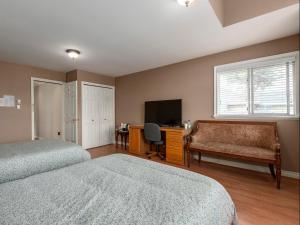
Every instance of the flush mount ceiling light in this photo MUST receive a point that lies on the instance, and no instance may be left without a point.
(186, 3)
(72, 53)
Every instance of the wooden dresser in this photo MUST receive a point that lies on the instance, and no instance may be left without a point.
(174, 142)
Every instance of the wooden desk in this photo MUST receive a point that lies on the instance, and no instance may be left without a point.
(174, 142)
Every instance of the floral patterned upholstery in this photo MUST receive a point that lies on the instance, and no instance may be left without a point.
(255, 135)
(247, 151)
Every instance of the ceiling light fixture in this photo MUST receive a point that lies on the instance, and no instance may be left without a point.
(72, 53)
(186, 3)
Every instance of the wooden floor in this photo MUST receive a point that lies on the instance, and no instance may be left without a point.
(257, 200)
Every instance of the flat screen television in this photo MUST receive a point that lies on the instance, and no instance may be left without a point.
(164, 113)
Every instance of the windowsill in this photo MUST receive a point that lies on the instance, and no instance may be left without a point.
(259, 117)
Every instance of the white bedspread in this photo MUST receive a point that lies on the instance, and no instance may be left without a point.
(116, 190)
(23, 159)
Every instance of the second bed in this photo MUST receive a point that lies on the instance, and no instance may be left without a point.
(116, 190)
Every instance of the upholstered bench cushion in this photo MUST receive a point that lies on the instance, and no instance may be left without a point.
(245, 151)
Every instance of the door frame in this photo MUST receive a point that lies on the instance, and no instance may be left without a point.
(33, 79)
(82, 104)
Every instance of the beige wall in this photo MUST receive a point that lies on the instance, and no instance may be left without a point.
(233, 11)
(95, 78)
(71, 76)
(218, 7)
(239, 10)
(192, 81)
(15, 80)
(81, 76)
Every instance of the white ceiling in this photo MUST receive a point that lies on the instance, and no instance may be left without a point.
(118, 37)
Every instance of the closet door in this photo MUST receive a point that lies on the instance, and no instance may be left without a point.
(86, 119)
(93, 132)
(111, 115)
(98, 113)
(100, 109)
(108, 116)
(90, 130)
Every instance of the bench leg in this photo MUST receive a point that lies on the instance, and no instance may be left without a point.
(199, 157)
(278, 172)
(117, 138)
(122, 139)
(188, 157)
(271, 166)
(125, 142)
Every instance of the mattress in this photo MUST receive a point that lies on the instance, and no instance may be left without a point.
(23, 159)
(116, 190)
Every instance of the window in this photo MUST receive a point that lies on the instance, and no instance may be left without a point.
(266, 87)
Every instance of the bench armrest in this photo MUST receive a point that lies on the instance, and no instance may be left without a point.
(188, 138)
(276, 147)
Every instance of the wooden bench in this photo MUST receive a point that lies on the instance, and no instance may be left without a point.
(243, 140)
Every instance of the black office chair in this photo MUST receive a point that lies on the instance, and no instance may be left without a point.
(153, 135)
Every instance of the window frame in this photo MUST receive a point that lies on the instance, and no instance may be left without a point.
(255, 63)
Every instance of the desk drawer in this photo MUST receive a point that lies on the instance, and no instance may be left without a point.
(174, 137)
(134, 141)
(175, 157)
(174, 154)
(174, 144)
(174, 141)
(174, 148)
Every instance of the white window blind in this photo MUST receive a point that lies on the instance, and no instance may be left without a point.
(233, 92)
(265, 87)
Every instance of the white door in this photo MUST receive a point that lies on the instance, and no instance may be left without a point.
(108, 116)
(98, 115)
(71, 118)
(89, 120)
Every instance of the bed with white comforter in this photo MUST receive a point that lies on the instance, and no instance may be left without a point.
(116, 190)
(23, 159)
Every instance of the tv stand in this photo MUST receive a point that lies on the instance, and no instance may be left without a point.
(174, 142)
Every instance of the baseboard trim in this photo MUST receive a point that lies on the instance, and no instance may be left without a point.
(119, 143)
(247, 166)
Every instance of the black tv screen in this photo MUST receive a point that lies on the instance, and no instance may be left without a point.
(164, 113)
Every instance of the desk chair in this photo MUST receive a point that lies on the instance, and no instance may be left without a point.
(153, 136)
